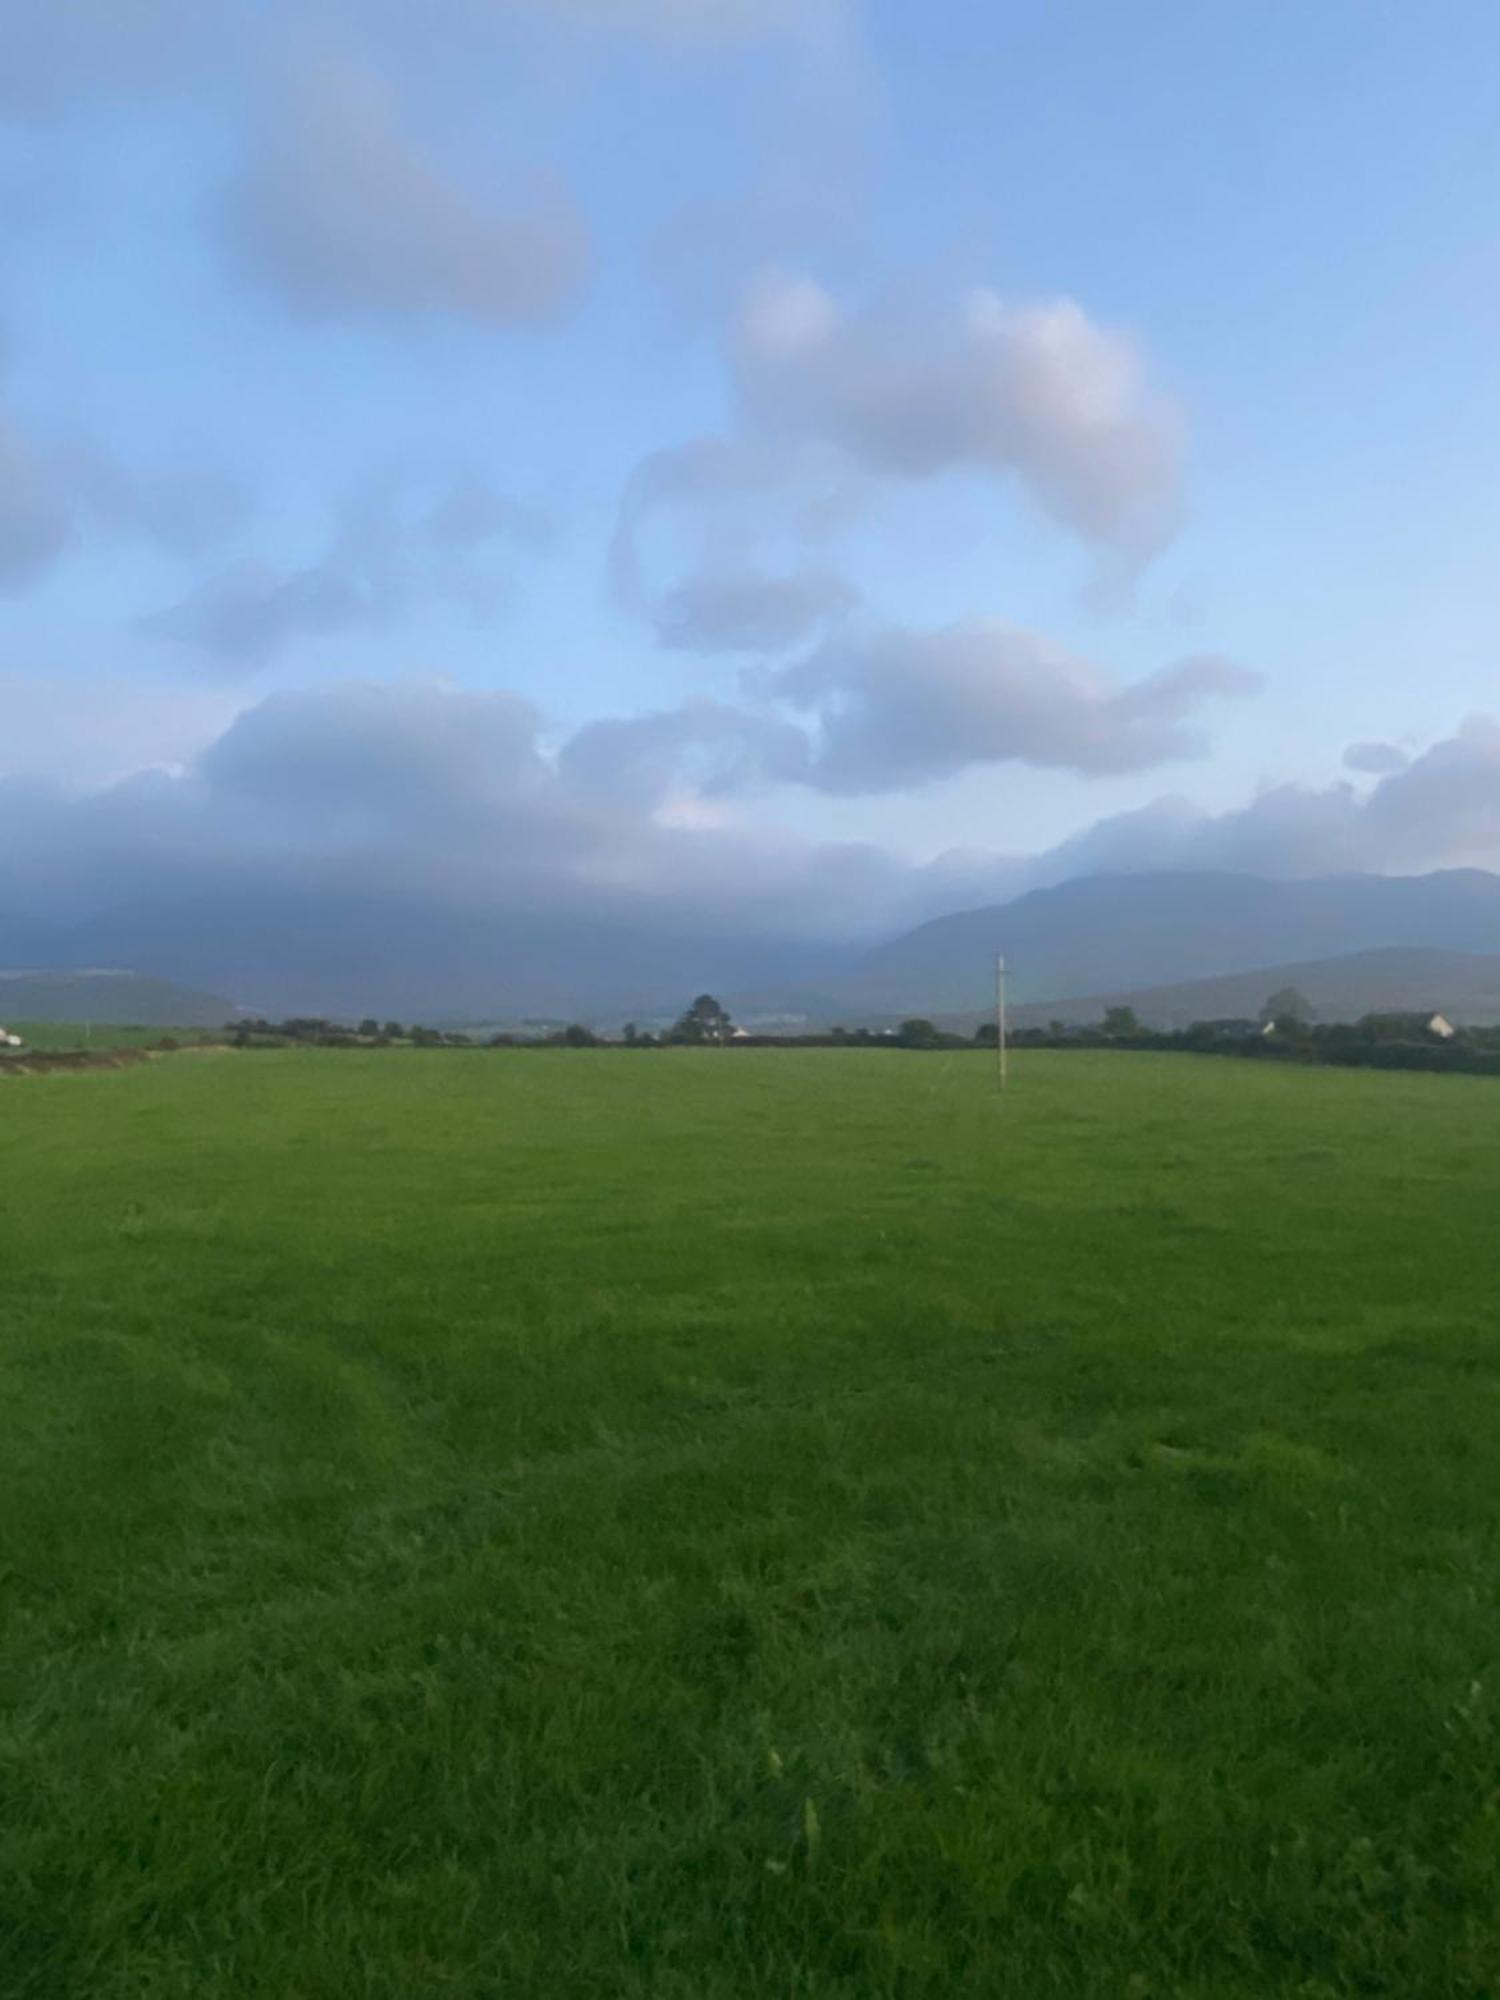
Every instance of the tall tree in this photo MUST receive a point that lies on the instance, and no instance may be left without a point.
(704, 1021)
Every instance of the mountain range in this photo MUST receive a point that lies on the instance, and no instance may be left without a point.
(1133, 933)
(1114, 936)
(122, 997)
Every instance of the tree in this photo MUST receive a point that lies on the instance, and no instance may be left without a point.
(577, 1036)
(1121, 1024)
(394, 1031)
(918, 1033)
(987, 1034)
(1286, 1008)
(704, 1021)
(630, 1031)
(370, 1030)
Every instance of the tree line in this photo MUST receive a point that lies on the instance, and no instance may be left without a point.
(1284, 1031)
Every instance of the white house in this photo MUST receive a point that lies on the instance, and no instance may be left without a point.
(10, 1041)
(1442, 1027)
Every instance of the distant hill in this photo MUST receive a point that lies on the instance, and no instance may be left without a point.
(318, 950)
(123, 997)
(1463, 985)
(1132, 934)
(323, 952)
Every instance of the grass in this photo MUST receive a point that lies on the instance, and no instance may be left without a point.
(706, 1525)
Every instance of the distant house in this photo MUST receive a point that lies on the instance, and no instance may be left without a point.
(10, 1041)
(1414, 1027)
(1238, 1028)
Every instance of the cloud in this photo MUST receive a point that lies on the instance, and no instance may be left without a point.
(1037, 391)
(473, 513)
(383, 557)
(339, 212)
(747, 611)
(51, 490)
(248, 614)
(703, 750)
(448, 807)
(184, 510)
(833, 406)
(726, 509)
(56, 50)
(35, 521)
(1441, 810)
(425, 792)
(409, 763)
(93, 733)
(905, 708)
(1381, 759)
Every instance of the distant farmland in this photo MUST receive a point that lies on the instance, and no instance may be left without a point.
(704, 1525)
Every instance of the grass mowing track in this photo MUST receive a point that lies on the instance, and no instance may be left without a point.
(697, 1524)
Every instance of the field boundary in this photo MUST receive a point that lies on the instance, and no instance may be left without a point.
(39, 1060)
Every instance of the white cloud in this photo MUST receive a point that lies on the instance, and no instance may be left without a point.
(1441, 810)
(1038, 391)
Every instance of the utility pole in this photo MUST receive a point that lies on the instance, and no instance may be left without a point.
(1000, 1051)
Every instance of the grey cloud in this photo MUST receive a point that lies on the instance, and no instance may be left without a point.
(747, 611)
(51, 491)
(338, 211)
(473, 513)
(382, 558)
(368, 762)
(185, 511)
(35, 522)
(56, 50)
(707, 749)
(449, 799)
(423, 791)
(1380, 759)
(1039, 391)
(250, 612)
(731, 500)
(905, 708)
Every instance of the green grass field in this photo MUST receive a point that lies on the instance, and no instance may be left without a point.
(704, 1524)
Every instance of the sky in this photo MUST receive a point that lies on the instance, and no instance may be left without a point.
(804, 464)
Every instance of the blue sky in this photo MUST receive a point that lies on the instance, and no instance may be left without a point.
(1020, 414)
